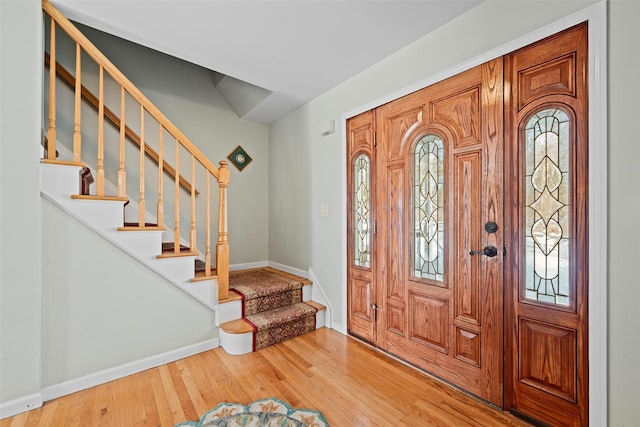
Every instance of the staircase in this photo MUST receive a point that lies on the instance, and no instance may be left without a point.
(275, 306)
(263, 306)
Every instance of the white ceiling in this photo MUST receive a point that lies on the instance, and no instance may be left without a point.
(297, 49)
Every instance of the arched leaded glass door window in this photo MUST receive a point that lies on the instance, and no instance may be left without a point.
(362, 211)
(428, 201)
(547, 210)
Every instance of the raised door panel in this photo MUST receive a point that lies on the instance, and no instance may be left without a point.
(461, 114)
(395, 255)
(429, 321)
(547, 358)
(361, 314)
(398, 127)
(467, 210)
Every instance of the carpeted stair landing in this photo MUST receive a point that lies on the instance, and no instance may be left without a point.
(272, 306)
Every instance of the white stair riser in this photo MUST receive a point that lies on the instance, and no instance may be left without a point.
(306, 293)
(103, 214)
(144, 244)
(179, 269)
(59, 180)
(321, 316)
(229, 311)
(205, 290)
(236, 344)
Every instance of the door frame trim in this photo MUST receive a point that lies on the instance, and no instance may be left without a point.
(596, 15)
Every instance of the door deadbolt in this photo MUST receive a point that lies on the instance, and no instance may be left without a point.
(491, 227)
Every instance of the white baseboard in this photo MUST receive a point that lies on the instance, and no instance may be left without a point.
(248, 265)
(101, 377)
(20, 405)
(320, 296)
(290, 270)
(339, 327)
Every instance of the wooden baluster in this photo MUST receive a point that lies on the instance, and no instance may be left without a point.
(142, 207)
(51, 133)
(77, 138)
(192, 234)
(207, 245)
(176, 210)
(100, 179)
(222, 248)
(122, 173)
(160, 208)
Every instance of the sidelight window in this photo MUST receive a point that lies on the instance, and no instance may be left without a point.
(362, 211)
(547, 198)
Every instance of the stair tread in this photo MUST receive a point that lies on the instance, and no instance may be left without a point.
(232, 297)
(62, 162)
(316, 305)
(239, 326)
(275, 317)
(201, 275)
(145, 228)
(261, 283)
(93, 197)
(172, 254)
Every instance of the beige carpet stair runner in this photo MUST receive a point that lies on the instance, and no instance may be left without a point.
(272, 305)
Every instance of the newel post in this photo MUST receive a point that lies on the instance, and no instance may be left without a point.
(222, 248)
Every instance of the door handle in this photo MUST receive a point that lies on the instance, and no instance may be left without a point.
(489, 251)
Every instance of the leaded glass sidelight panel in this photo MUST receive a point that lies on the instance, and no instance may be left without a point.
(547, 207)
(362, 211)
(428, 201)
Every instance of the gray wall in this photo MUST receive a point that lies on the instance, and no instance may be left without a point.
(20, 241)
(296, 217)
(624, 213)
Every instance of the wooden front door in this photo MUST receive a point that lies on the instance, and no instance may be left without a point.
(432, 294)
(467, 207)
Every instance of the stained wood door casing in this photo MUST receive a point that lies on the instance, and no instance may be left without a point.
(547, 361)
(453, 327)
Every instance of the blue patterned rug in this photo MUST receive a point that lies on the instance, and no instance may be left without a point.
(261, 413)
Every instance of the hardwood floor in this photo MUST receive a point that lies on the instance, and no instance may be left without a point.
(352, 384)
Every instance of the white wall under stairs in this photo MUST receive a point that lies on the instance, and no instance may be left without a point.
(107, 313)
(59, 182)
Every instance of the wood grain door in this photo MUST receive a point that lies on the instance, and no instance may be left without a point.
(361, 196)
(547, 193)
(448, 245)
(439, 193)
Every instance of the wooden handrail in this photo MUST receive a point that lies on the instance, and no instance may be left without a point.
(114, 119)
(120, 78)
